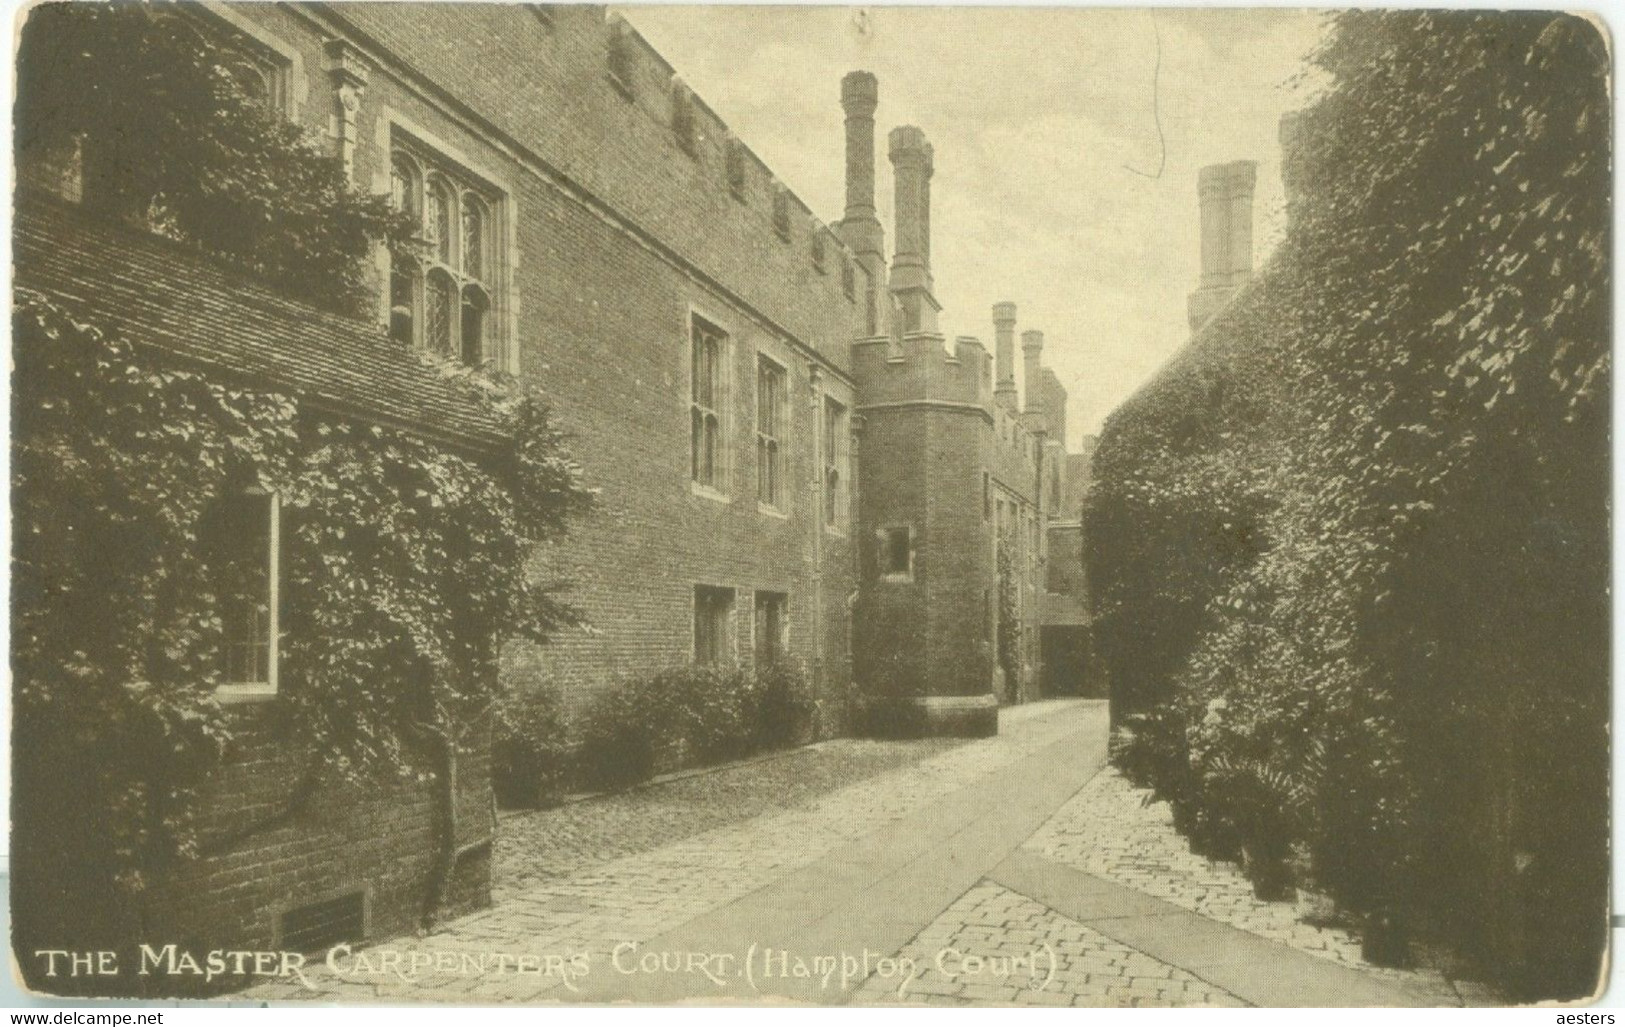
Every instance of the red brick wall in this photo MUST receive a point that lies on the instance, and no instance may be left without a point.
(960, 560)
(259, 855)
(926, 442)
(618, 233)
(377, 835)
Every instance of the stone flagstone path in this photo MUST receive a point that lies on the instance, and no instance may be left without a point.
(1007, 871)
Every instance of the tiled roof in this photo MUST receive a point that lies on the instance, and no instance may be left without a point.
(155, 292)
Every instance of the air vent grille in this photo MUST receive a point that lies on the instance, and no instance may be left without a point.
(321, 925)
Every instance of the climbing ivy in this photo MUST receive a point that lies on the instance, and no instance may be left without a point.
(1354, 540)
(406, 565)
(163, 132)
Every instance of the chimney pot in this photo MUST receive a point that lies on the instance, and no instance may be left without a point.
(860, 89)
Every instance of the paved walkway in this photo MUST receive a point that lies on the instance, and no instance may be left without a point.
(951, 880)
(1111, 831)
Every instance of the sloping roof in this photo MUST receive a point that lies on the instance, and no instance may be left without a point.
(158, 293)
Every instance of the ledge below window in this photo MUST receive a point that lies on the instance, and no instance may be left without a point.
(228, 695)
(709, 492)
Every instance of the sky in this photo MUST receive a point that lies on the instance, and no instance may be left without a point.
(1051, 187)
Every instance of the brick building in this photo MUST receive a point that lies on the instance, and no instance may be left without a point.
(791, 461)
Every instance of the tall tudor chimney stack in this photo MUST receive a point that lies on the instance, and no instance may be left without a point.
(1032, 356)
(1226, 192)
(860, 228)
(1004, 350)
(911, 159)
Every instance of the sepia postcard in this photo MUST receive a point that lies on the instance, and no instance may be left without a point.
(531, 503)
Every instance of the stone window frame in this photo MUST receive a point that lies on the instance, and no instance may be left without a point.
(719, 486)
(258, 689)
(771, 449)
(431, 167)
(762, 600)
(281, 60)
(253, 47)
(714, 638)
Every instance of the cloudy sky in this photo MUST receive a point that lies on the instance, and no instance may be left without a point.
(1044, 122)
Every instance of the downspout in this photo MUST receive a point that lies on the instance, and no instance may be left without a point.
(820, 483)
(446, 796)
(451, 854)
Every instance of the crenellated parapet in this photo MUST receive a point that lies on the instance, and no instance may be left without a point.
(921, 368)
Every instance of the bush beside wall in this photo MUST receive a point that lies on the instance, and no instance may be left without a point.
(676, 717)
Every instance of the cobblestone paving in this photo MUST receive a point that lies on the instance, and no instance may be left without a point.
(994, 946)
(549, 844)
(584, 913)
(1107, 830)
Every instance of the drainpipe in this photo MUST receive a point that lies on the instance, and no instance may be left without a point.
(815, 377)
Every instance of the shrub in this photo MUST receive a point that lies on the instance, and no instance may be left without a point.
(529, 757)
(693, 714)
(1150, 750)
(784, 709)
(713, 710)
(627, 728)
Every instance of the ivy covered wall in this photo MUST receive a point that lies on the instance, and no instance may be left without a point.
(1350, 549)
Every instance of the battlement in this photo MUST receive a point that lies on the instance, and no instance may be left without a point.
(733, 170)
(921, 367)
